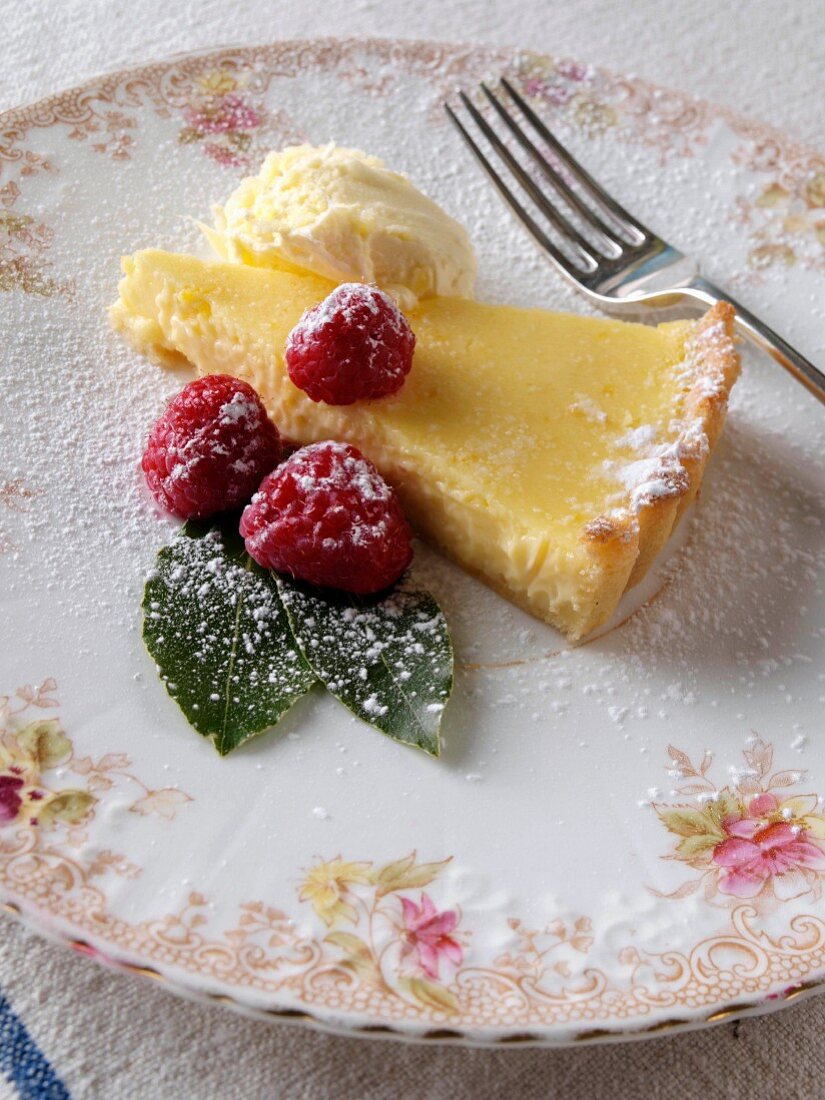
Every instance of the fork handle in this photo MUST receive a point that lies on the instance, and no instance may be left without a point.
(759, 333)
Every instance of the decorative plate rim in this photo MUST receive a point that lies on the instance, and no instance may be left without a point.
(791, 147)
(445, 1036)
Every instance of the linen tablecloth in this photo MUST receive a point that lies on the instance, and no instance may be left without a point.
(68, 1028)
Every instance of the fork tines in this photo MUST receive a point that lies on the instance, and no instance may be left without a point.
(605, 230)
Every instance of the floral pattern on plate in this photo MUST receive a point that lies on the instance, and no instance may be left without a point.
(24, 240)
(347, 936)
(32, 746)
(749, 838)
(383, 949)
(232, 128)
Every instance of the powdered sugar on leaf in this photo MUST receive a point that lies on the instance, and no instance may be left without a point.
(236, 646)
(215, 626)
(389, 661)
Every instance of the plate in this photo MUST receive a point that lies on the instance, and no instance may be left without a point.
(620, 837)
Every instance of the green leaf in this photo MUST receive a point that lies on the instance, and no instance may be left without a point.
(406, 874)
(773, 195)
(358, 956)
(239, 140)
(70, 806)
(697, 845)
(389, 660)
(221, 639)
(430, 994)
(726, 804)
(45, 742)
(686, 822)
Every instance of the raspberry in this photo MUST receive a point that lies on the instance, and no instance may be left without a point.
(328, 517)
(355, 346)
(210, 448)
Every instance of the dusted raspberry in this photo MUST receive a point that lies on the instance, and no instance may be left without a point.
(210, 448)
(326, 516)
(356, 345)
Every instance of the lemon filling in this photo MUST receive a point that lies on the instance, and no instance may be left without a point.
(518, 438)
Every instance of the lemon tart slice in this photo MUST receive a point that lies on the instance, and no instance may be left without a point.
(550, 454)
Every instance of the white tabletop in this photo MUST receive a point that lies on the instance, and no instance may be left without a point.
(112, 1036)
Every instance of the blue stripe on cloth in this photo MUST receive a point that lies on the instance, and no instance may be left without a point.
(23, 1064)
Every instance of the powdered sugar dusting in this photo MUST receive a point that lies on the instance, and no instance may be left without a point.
(349, 469)
(661, 474)
(346, 299)
(585, 404)
(659, 471)
(390, 661)
(241, 408)
(731, 640)
(637, 438)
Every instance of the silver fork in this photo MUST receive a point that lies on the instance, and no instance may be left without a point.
(602, 249)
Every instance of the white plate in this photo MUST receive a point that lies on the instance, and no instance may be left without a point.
(559, 821)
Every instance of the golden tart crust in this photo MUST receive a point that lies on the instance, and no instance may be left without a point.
(627, 543)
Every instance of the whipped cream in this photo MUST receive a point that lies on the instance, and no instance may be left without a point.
(345, 216)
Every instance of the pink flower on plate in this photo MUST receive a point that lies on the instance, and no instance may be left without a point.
(223, 155)
(573, 70)
(230, 116)
(552, 91)
(559, 94)
(764, 847)
(534, 87)
(10, 800)
(427, 932)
